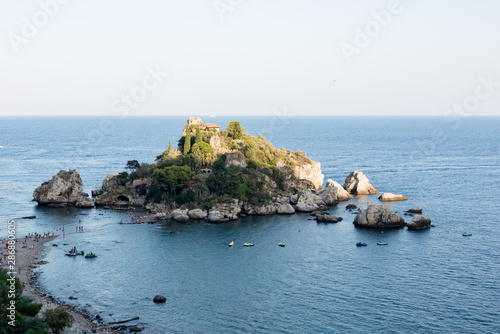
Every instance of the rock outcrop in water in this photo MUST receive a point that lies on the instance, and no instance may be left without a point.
(357, 183)
(83, 201)
(180, 215)
(388, 197)
(223, 212)
(419, 222)
(197, 214)
(415, 210)
(379, 216)
(159, 299)
(113, 192)
(326, 218)
(118, 192)
(306, 200)
(334, 193)
(62, 190)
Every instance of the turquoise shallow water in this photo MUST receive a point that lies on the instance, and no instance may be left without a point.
(426, 281)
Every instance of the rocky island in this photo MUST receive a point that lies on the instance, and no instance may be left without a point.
(220, 176)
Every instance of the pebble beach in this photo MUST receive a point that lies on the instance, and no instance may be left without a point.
(29, 254)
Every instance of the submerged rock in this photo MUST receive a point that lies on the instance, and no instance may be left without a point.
(350, 206)
(357, 183)
(326, 218)
(62, 190)
(419, 222)
(388, 197)
(379, 216)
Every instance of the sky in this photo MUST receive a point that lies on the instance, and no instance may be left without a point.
(249, 57)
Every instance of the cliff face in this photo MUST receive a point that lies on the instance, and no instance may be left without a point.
(219, 145)
(310, 172)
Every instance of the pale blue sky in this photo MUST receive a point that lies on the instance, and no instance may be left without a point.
(265, 54)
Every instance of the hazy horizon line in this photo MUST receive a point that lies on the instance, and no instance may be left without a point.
(245, 115)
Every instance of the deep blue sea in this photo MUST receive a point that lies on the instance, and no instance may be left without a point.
(432, 281)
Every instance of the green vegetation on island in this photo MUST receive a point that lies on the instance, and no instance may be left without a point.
(210, 166)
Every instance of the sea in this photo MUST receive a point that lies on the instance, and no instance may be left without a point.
(429, 281)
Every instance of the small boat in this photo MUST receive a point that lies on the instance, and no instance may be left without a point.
(359, 244)
(466, 234)
(382, 243)
(75, 253)
(281, 244)
(248, 244)
(90, 256)
(231, 244)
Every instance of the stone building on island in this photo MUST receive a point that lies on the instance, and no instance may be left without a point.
(196, 122)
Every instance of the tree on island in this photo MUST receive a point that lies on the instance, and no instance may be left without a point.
(235, 130)
(198, 137)
(170, 181)
(201, 152)
(169, 148)
(133, 165)
(57, 319)
(187, 142)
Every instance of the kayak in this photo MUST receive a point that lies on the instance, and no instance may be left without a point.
(281, 244)
(361, 244)
(382, 243)
(248, 244)
(90, 256)
(467, 234)
(231, 244)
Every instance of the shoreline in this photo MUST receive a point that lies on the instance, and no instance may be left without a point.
(29, 258)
